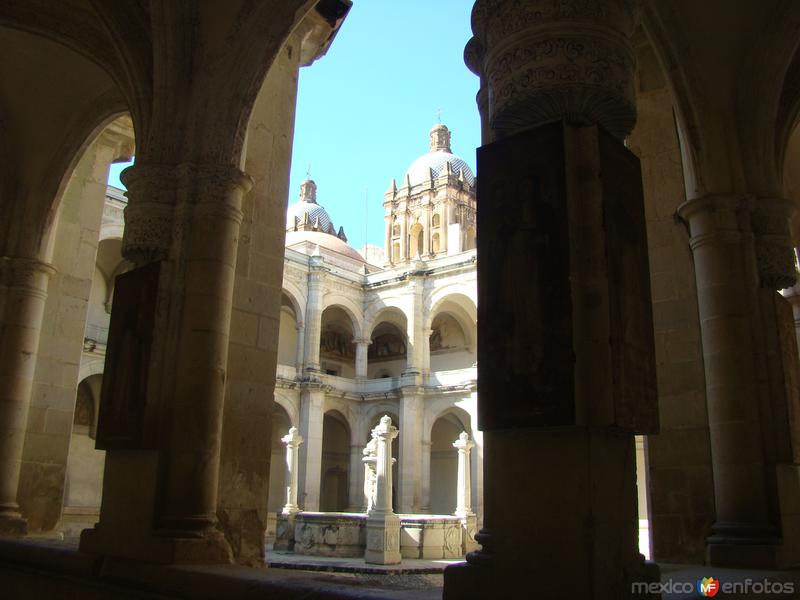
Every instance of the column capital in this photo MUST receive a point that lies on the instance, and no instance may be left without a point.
(24, 273)
(775, 253)
(362, 340)
(540, 61)
(154, 191)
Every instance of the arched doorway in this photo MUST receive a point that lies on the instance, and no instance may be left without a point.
(288, 333)
(444, 463)
(335, 462)
(337, 353)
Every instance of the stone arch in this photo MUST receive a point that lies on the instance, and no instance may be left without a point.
(297, 299)
(334, 472)
(378, 305)
(338, 332)
(111, 231)
(92, 366)
(348, 306)
(416, 237)
(290, 405)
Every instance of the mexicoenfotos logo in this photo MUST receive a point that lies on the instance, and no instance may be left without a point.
(708, 587)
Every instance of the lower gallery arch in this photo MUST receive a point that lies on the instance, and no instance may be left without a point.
(335, 462)
(444, 462)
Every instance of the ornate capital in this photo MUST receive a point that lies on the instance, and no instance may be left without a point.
(544, 60)
(154, 191)
(775, 254)
(149, 214)
(26, 275)
(463, 443)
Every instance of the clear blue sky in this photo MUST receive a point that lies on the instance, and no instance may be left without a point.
(364, 109)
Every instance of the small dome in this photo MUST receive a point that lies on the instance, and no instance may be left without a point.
(436, 160)
(307, 205)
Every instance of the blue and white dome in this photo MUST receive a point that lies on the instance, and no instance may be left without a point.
(436, 160)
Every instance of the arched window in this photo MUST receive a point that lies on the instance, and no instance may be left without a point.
(435, 243)
(436, 220)
(396, 230)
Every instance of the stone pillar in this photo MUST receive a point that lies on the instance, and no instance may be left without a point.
(464, 492)
(312, 398)
(723, 249)
(425, 502)
(355, 493)
(313, 321)
(415, 359)
(301, 336)
(537, 63)
(362, 350)
(292, 440)
(409, 486)
(190, 499)
(23, 291)
(383, 526)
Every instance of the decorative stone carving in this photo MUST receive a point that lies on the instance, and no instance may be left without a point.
(383, 526)
(544, 60)
(293, 439)
(775, 253)
(370, 453)
(149, 213)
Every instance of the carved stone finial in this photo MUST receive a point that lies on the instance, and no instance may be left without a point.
(308, 191)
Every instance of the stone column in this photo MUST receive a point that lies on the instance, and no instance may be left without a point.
(190, 497)
(362, 350)
(723, 249)
(355, 493)
(383, 526)
(537, 63)
(23, 291)
(313, 321)
(301, 336)
(464, 492)
(292, 440)
(312, 398)
(415, 359)
(425, 502)
(409, 486)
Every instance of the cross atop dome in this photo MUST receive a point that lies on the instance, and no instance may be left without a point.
(440, 138)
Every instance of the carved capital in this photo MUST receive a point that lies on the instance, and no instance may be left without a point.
(149, 213)
(25, 275)
(545, 60)
(775, 254)
(154, 192)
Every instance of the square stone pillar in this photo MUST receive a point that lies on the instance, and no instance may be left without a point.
(311, 415)
(566, 366)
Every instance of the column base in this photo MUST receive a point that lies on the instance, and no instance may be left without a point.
(743, 545)
(284, 533)
(13, 524)
(383, 539)
(209, 549)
